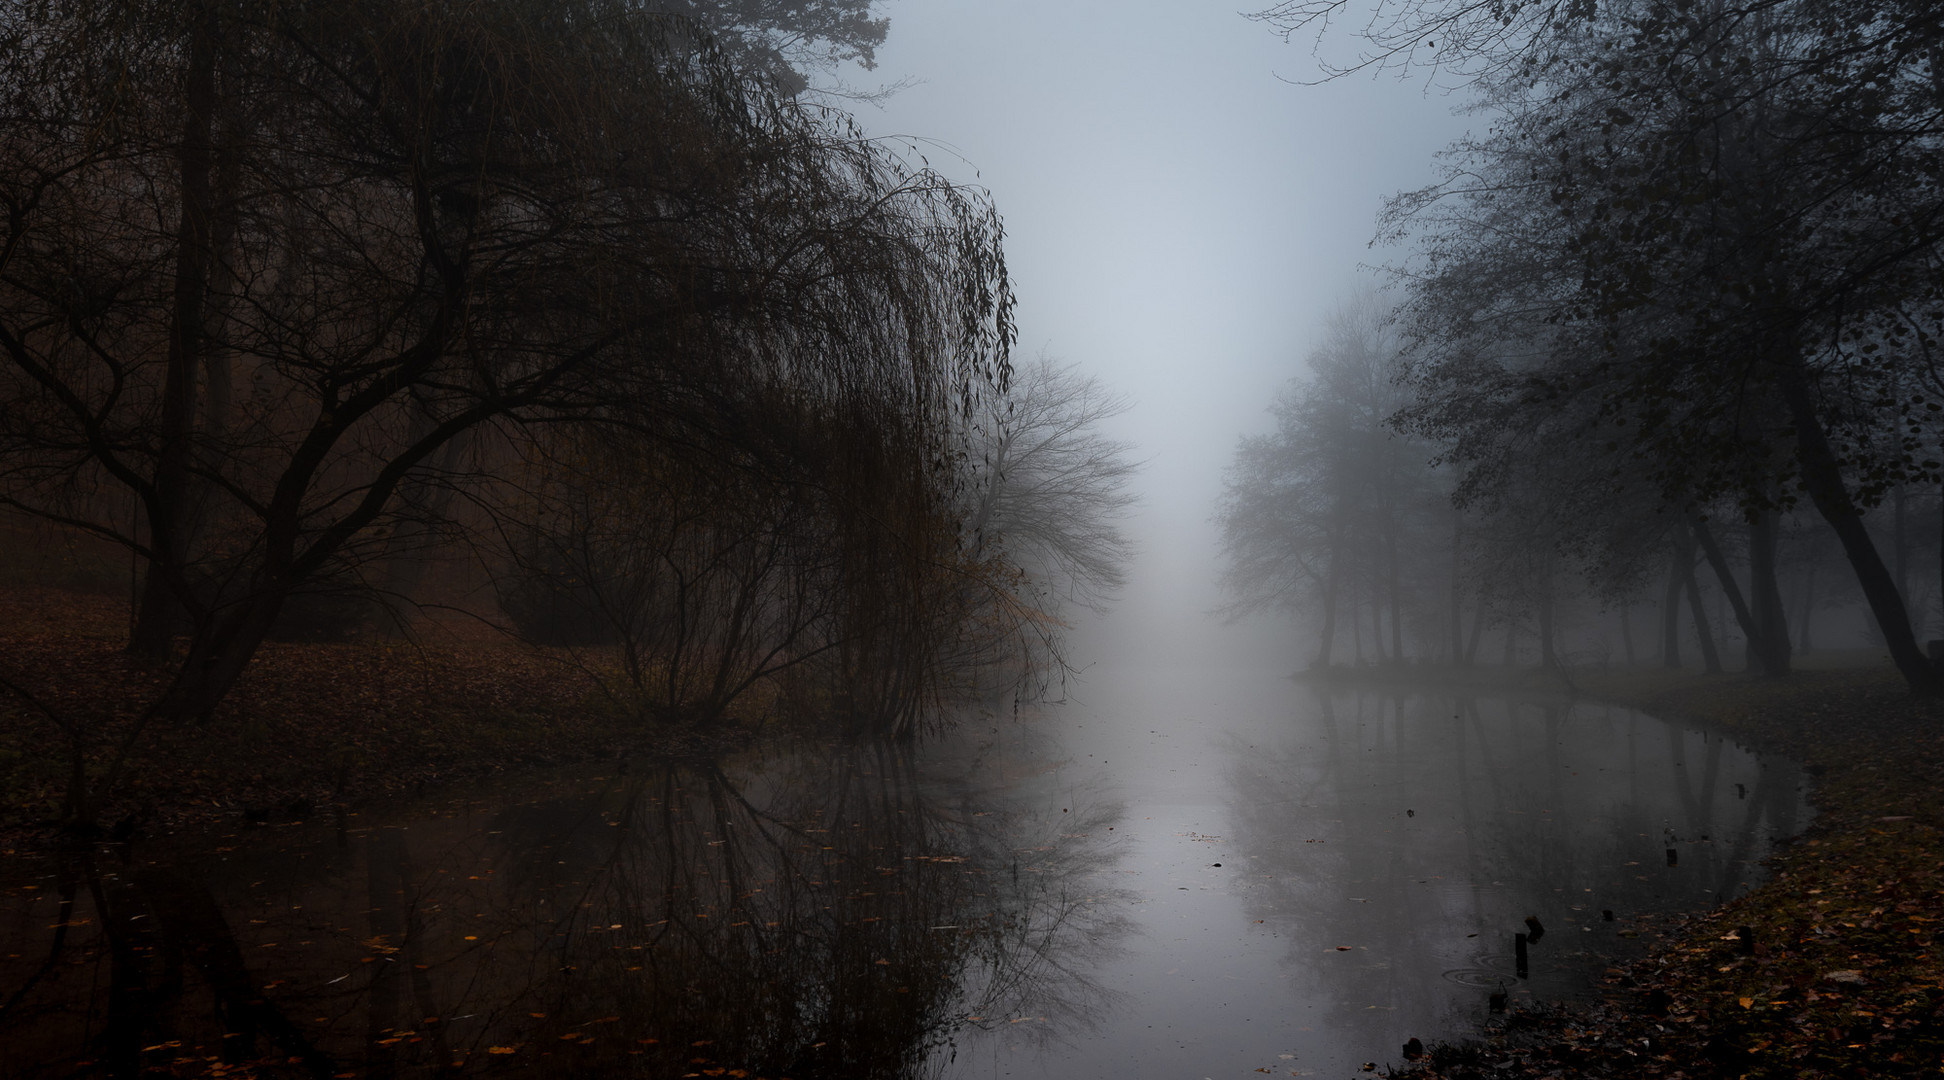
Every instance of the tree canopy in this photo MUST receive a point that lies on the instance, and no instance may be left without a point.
(274, 275)
(1704, 238)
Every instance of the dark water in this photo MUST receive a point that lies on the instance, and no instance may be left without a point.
(1196, 874)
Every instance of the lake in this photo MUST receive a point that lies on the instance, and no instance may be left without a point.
(1179, 873)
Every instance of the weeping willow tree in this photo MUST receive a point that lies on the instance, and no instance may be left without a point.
(791, 565)
(273, 272)
(771, 491)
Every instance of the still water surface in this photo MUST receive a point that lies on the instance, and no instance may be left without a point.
(1187, 874)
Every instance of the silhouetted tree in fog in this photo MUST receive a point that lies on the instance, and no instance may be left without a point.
(787, 41)
(264, 265)
(1053, 486)
(1709, 235)
(1336, 504)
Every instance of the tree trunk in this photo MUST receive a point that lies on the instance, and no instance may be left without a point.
(1626, 633)
(218, 657)
(1548, 658)
(1899, 550)
(1760, 616)
(1710, 658)
(1822, 475)
(1396, 597)
(1765, 593)
(1477, 631)
(1457, 608)
(1330, 586)
(1808, 607)
(1671, 607)
(1377, 629)
(220, 288)
(1730, 589)
(165, 583)
(1356, 625)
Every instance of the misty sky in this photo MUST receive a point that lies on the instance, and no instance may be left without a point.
(1179, 221)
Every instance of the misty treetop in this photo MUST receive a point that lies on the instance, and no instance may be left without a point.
(787, 42)
(1686, 285)
(579, 305)
(1316, 514)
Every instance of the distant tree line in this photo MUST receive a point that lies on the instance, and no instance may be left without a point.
(1341, 518)
(297, 298)
(1681, 299)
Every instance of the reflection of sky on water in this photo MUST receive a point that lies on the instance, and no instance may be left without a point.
(1192, 874)
(1377, 854)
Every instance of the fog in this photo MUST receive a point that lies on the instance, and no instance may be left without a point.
(1181, 214)
(403, 398)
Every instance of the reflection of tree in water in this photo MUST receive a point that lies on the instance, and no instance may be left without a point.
(820, 917)
(157, 960)
(819, 914)
(1405, 823)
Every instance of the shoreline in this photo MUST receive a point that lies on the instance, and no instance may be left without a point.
(1824, 970)
(1836, 976)
(310, 727)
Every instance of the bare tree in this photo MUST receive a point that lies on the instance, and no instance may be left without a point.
(1337, 502)
(699, 578)
(1055, 485)
(387, 228)
(1707, 248)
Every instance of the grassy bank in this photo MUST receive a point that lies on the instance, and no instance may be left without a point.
(309, 725)
(1836, 974)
